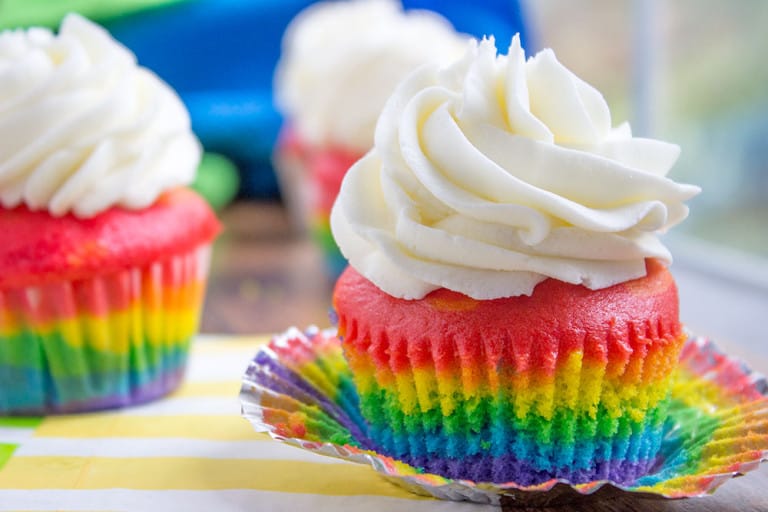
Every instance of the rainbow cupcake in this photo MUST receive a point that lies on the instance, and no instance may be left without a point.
(576, 387)
(507, 314)
(340, 62)
(103, 252)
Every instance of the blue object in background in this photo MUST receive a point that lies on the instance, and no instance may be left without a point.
(220, 56)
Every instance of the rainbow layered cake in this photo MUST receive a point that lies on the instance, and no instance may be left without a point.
(508, 314)
(566, 382)
(103, 251)
(340, 62)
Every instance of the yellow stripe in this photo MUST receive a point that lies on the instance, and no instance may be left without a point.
(214, 428)
(195, 474)
(246, 345)
(215, 388)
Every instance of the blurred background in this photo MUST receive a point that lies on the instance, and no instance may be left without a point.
(692, 72)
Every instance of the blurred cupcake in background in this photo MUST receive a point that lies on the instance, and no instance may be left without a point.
(103, 248)
(340, 62)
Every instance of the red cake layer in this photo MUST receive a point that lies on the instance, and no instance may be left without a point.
(529, 332)
(327, 168)
(36, 248)
(290, 144)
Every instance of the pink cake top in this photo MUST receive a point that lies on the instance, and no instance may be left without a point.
(326, 165)
(36, 247)
(557, 318)
(327, 170)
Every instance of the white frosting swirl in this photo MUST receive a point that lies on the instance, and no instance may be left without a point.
(82, 127)
(495, 173)
(342, 60)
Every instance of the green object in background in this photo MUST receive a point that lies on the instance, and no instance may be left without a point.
(6, 451)
(48, 13)
(217, 180)
(20, 421)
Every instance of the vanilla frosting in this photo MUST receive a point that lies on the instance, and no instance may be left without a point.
(341, 61)
(497, 172)
(82, 127)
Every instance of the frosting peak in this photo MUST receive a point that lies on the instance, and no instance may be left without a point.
(341, 61)
(82, 127)
(494, 173)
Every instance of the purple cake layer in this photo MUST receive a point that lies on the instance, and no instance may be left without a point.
(509, 469)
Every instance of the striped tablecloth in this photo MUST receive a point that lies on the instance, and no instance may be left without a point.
(190, 451)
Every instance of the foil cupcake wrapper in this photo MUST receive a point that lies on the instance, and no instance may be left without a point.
(107, 341)
(299, 389)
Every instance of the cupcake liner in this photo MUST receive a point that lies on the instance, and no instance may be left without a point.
(108, 341)
(292, 175)
(333, 260)
(310, 179)
(717, 424)
(300, 195)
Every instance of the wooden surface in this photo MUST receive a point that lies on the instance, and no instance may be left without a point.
(264, 278)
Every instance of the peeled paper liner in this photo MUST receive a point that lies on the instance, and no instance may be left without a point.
(298, 389)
